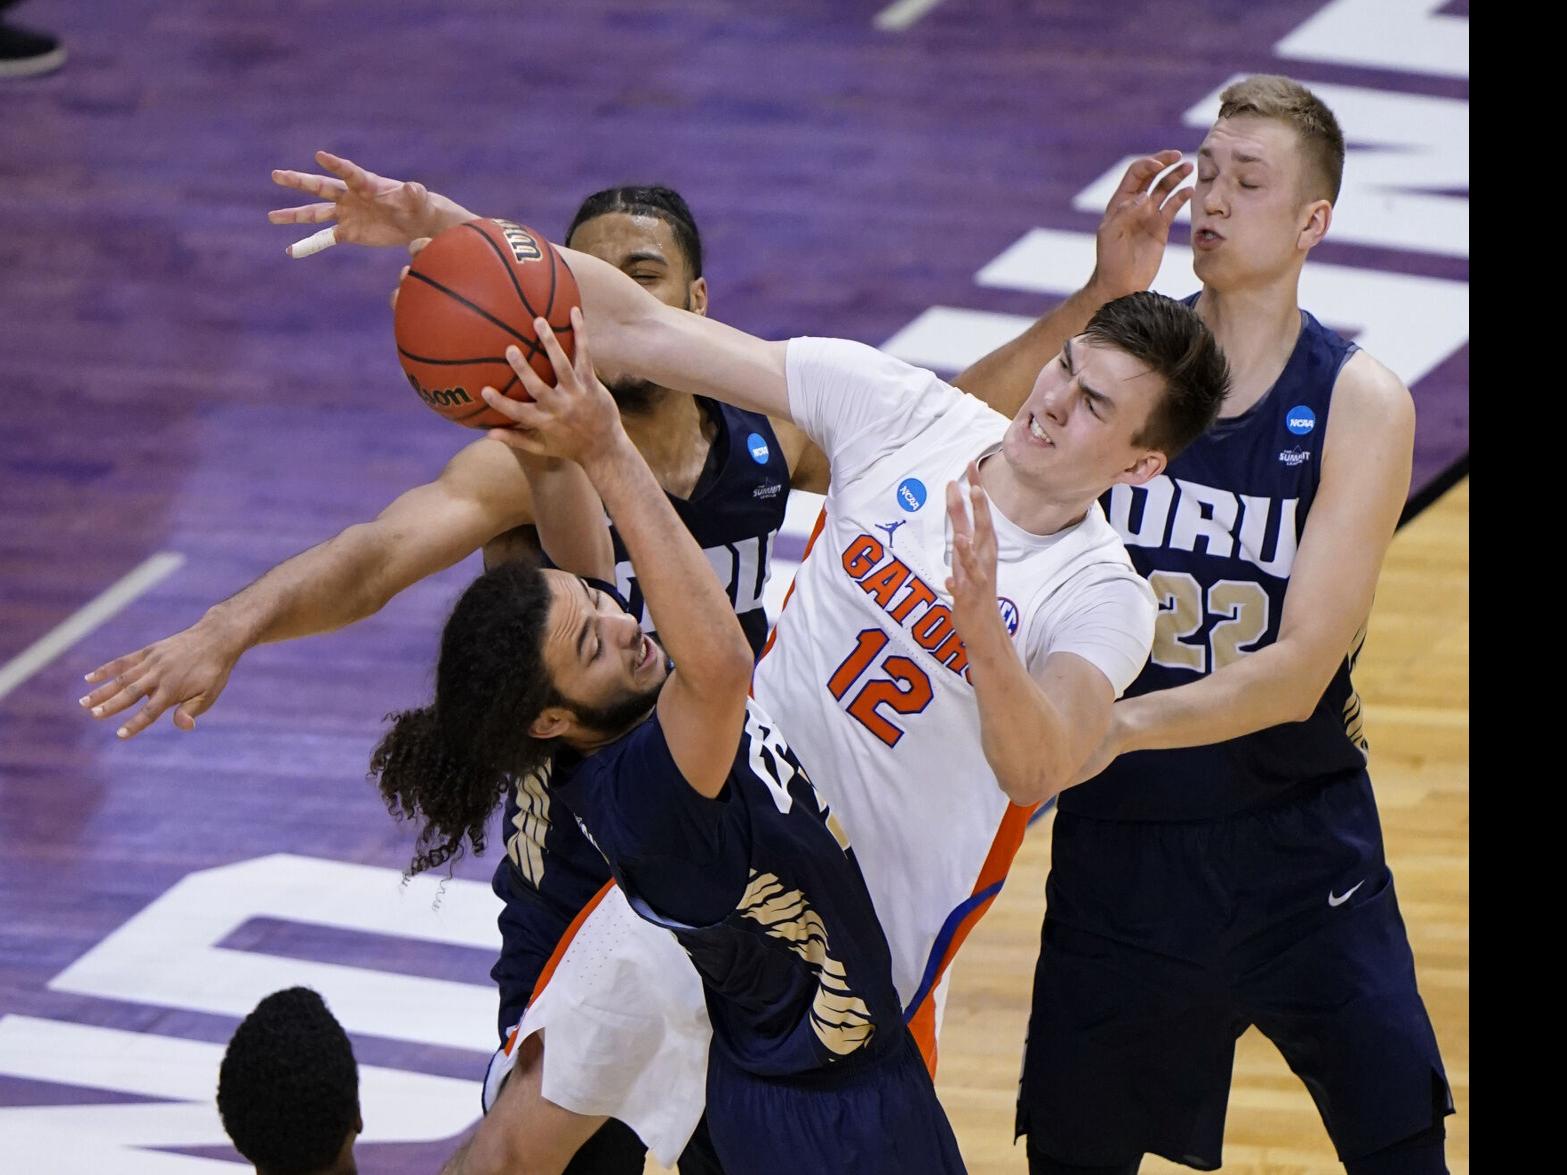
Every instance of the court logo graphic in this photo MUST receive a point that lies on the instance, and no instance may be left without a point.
(523, 246)
(1300, 420)
(757, 447)
(911, 494)
(1009, 614)
(890, 527)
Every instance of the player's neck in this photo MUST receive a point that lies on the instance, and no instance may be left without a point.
(1256, 327)
(1027, 506)
(673, 435)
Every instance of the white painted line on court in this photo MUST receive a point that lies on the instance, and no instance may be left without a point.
(65, 634)
(899, 16)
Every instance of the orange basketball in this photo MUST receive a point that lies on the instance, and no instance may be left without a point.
(470, 293)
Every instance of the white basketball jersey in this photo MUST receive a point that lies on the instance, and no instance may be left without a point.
(865, 671)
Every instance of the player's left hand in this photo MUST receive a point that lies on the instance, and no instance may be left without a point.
(1129, 245)
(973, 579)
(576, 419)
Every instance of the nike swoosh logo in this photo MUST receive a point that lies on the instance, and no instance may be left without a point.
(1340, 899)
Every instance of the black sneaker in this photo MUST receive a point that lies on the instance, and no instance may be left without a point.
(24, 53)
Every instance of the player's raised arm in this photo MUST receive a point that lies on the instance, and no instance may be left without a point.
(568, 512)
(362, 208)
(702, 706)
(1035, 732)
(634, 333)
(481, 493)
(1129, 247)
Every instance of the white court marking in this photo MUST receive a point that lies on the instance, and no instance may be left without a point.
(86, 618)
(899, 16)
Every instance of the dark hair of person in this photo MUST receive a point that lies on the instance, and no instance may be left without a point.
(664, 203)
(1176, 345)
(450, 763)
(288, 1088)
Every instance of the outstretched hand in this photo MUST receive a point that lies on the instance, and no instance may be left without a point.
(368, 209)
(972, 583)
(1129, 245)
(576, 419)
(186, 671)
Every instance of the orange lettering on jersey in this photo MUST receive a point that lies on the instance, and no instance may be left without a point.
(934, 627)
(918, 594)
(884, 584)
(861, 555)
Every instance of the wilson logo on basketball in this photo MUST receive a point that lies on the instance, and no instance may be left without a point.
(523, 246)
(440, 397)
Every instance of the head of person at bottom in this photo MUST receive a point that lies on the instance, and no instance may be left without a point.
(1142, 381)
(531, 659)
(288, 1088)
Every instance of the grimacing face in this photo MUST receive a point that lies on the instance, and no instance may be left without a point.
(1253, 218)
(597, 656)
(1073, 436)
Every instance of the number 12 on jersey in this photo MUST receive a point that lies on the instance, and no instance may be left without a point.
(901, 686)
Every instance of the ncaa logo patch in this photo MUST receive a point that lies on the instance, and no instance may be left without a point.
(911, 494)
(757, 448)
(1009, 615)
(1300, 420)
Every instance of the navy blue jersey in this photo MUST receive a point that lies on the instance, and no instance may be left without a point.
(733, 513)
(760, 888)
(1216, 536)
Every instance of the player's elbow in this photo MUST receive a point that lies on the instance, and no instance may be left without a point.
(1033, 783)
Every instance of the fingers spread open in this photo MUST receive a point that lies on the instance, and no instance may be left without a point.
(1172, 206)
(303, 214)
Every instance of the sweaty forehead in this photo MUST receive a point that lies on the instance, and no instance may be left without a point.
(1252, 137)
(615, 237)
(563, 624)
(1109, 368)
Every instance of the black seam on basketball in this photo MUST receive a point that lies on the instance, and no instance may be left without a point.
(406, 354)
(532, 346)
(478, 408)
(549, 307)
(506, 265)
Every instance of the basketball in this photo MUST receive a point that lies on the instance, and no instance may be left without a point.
(470, 293)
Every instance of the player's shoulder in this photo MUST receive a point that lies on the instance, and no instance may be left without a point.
(1369, 397)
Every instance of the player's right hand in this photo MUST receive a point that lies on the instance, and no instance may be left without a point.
(187, 671)
(1129, 245)
(368, 209)
(576, 419)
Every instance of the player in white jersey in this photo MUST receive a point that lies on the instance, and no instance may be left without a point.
(904, 714)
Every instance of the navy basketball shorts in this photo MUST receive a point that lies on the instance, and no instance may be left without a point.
(1162, 943)
(880, 1117)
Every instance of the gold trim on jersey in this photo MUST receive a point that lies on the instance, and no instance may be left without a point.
(531, 824)
(839, 1018)
(1354, 712)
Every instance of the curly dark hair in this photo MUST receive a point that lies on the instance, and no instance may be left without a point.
(451, 762)
(1169, 337)
(288, 1088)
